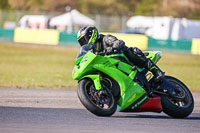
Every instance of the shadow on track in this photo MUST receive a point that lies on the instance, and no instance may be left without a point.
(195, 116)
(80, 113)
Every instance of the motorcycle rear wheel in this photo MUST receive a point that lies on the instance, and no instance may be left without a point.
(178, 108)
(98, 105)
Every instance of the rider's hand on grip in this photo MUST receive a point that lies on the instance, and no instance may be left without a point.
(111, 50)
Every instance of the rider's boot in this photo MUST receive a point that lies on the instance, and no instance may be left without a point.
(158, 74)
(159, 79)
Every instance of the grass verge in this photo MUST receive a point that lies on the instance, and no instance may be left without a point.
(39, 66)
(36, 66)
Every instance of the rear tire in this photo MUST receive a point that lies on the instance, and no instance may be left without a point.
(85, 91)
(178, 108)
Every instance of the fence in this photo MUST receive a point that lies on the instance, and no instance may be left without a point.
(105, 23)
(53, 37)
(6, 35)
(67, 38)
(170, 45)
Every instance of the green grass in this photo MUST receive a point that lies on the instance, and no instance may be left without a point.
(39, 66)
(185, 67)
(34, 66)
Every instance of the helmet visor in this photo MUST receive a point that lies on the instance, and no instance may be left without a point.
(82, 41)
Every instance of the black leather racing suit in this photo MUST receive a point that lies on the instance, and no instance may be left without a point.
(108, 44)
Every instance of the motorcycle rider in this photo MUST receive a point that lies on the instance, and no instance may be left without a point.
(108, 44)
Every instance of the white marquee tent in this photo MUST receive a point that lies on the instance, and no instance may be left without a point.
(140, 21)
(166, 27)
(33, 22)
(71, 19)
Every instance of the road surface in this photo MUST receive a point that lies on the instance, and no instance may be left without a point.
(59, 111)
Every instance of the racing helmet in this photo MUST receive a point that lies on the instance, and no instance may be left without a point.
(88, 35)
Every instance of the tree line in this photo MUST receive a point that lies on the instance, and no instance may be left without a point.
(175, 8)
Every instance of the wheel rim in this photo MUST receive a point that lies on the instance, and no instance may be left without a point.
(102, 99)
(183, 98)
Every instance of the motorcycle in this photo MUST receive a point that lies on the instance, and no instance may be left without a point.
(110, 83)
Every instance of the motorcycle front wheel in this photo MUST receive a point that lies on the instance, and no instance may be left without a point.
(178, 108)
(100, 103)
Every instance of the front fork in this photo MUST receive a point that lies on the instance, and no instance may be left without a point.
(99, 87)
(96, 80)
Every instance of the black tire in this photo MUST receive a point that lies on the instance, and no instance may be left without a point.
(178, 108)
(84, 94)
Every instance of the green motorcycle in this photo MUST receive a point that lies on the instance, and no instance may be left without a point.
(110, 83)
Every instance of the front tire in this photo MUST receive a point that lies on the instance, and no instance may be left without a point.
(89, 97)
(178, 108)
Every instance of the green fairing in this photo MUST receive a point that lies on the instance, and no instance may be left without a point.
(78, 60)
(130, 91)
(96, 80)
(154, 55)
(116, 55)
(87, 65)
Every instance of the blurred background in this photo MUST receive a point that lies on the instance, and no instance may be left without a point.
(109, 15)
(168, 25)
(110, 11)
(175, 21)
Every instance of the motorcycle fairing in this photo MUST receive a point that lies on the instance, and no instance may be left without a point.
(131, 92)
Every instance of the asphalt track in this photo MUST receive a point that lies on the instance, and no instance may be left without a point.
(69, 119)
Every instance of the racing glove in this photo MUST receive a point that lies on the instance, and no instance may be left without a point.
(111, 50)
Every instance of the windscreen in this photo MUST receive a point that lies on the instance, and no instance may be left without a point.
(83, 50)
